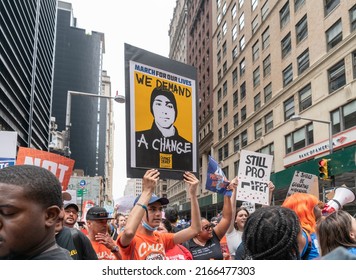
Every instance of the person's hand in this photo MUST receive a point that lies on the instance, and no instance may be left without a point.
(150, 180)
(233, 184)
(105, 239)
(192, 181)
(271, 187)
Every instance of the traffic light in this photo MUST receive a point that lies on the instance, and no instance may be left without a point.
(323, 169)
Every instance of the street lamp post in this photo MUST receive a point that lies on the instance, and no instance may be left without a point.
(331, 149)
(118, 98)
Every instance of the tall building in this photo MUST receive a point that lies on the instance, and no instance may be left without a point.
(26, 61)
(275, 59)
(78, 67)
(267, 61)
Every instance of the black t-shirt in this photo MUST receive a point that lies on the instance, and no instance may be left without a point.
(79, 248)
(56, 254)
(211, 250)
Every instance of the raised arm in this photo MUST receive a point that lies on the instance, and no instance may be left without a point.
(233, 185)
(221, 228)
(149, 183)
(195, 227)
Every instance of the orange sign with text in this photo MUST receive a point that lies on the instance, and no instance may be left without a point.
(60, 166)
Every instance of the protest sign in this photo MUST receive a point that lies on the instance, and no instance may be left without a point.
(249, 206)
(8, 140)
(304, 183)
(216, 180)
(60, 166)
(254, 176)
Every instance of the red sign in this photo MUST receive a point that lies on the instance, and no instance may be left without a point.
(60, 166)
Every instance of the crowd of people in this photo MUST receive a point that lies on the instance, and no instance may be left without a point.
(38, 223)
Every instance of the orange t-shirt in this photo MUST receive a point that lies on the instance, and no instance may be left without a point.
(102, 251)
(147, 247)
(225, 248)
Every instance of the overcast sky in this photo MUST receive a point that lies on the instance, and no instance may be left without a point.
(141, 23)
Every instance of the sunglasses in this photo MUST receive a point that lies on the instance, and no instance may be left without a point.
(208, 227)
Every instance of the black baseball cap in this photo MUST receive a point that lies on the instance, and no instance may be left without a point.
(97, 213)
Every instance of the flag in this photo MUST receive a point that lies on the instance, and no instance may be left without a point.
(216, 180)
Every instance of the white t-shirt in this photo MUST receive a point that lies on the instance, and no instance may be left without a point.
(233, 239)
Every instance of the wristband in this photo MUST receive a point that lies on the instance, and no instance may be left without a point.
(115, 249)
(144, 207)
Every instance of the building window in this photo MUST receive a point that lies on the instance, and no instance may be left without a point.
(265, 38)
(286, 45)
(225, 111)
(254, 25)
(220, 133)
(236, 120)
(241, 2)
(224, 9)
(220, 154)
(329, 5)
(337, 78)
(224, 67)
(267, 66)
(224, 49)
(234, 33)
(269, 122)
(284, 15)
(256, 77)
(234, 76)
(288, 108)
(225, 88)
(219, 95)
(334, 35)
(269, 149)
(298, 4)
(218, 38)
(242, 21)
(254, 4)
(243, 113)
(236, 144)
(218, 20)
(344, 117)
(226, 171)
(242, 43)
(287, 75)
(219, 75)
(268, 92)
(264, 11)
(257, 101)
(226, 150)
(243, 91)
(219, 115)
(236, 167)
(235, 98)
(244, 139)
(255, 51)
(301, 29)
(354, 63)
(305, 98)
(303, 61)
(299, 139)
(233, 11)
(258, 129)
(218, 55)
(234, 53)
(242, 67)
(226, 129)
(353, 18)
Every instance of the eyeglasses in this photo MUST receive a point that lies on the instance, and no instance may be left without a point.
(207, 227)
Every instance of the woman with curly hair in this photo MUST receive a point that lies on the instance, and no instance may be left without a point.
(306, 206)
(272, 233)
(338, 229)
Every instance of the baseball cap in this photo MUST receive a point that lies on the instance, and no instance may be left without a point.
(97, 213)
(75, 206)
(154, 198)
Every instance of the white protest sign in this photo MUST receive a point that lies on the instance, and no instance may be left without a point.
(249, 206)
(302, 182)
(254, 176)
(8, 143)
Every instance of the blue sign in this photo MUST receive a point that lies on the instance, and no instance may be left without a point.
(82, 183)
